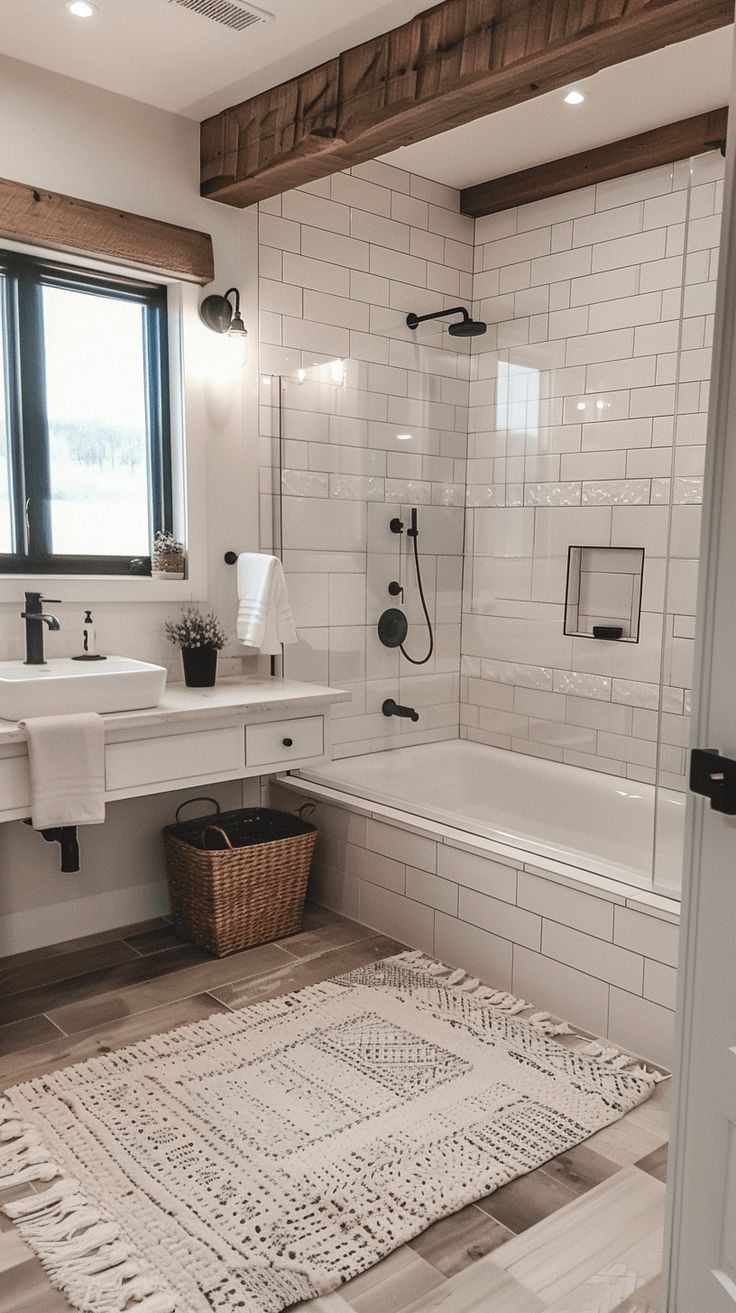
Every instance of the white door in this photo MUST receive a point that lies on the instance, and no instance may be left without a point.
(701, 1264)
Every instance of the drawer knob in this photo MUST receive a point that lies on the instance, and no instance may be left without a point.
(288, 743)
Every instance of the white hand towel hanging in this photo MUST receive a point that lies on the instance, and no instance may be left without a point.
(67, 761)
(264, 614)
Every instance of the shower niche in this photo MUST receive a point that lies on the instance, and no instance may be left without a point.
(603, 598)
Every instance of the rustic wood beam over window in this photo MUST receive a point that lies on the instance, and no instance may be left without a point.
(62, 223)
(459, 61)
(675, 141)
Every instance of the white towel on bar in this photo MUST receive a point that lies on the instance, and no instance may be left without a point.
(67, 759)
(264, 614)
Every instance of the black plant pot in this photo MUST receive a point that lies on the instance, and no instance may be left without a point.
(200, 666)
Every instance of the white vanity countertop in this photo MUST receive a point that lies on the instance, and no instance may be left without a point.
(231, 697)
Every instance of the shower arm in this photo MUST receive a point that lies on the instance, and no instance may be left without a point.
(413, 320)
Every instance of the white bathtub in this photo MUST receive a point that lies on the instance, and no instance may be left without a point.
(586, 819)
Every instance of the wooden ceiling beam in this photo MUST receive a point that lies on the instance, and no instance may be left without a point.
(675, 141)
(63, 223)
(459, 61)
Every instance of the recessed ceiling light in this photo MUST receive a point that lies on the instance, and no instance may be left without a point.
(81, 8)
(574, 97)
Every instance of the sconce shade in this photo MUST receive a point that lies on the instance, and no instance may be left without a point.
(237, 327)
(220, 316)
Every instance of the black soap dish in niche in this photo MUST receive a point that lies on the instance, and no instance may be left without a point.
(607, 631)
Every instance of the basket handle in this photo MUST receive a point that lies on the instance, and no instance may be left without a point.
(216, 829)
(187, 801)
(306, 810)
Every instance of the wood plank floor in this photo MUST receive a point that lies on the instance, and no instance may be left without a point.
(583, 1234)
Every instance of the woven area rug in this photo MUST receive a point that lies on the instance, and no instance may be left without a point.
(265, 1156)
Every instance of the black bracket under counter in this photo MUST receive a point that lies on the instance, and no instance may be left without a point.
(715, 777)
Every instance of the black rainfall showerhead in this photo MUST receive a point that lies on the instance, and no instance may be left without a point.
(466, 328)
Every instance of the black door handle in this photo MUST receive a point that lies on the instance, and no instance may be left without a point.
(715, 777)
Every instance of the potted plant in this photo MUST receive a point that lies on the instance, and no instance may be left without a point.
(167, 558)
(200, 637)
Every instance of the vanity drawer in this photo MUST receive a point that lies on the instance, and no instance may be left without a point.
(283, 741)
(15, 784)
(175, 757)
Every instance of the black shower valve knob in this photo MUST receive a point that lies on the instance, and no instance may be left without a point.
(396, 525)
(395, 589)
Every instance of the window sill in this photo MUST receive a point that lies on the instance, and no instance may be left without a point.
(104, 588)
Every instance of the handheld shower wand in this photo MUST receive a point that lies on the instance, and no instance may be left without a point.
(413, 533)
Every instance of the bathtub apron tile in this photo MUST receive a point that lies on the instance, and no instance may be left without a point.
(558, 902)
(366, 865)
(431, 890)
(597, 958)
(392, 914)
(401, 845)
(514, 923)
(642, 1026)
(581, 999)
(472, 871)
(485, 955)
(660, 983)
(644, 934)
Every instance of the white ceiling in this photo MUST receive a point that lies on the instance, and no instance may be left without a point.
(164, 55)
(157, 52)
(670, 84)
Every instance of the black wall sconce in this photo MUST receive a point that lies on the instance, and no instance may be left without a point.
(222, 317)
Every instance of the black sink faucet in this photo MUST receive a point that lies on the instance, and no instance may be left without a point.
(35, 619)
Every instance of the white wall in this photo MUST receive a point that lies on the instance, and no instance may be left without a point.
(66, 136)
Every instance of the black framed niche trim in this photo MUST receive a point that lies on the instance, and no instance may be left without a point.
(603, 596)
(81, 472)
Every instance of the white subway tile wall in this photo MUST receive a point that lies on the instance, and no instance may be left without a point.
(374, 418)
(566, 424)
(600, 954)
(579, 435)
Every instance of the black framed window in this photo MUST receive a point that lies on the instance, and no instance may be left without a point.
(85, 434)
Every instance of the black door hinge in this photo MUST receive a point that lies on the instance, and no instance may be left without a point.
(715, 777)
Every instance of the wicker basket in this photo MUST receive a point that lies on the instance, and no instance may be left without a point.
(238, 878)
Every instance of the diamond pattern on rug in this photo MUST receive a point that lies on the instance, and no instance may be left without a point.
(266, 1156)
(391, 1055)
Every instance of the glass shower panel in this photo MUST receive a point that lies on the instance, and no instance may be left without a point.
(699, 190)
(362, 444)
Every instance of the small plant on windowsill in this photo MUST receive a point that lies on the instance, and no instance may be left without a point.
(200, 636)
(167, 558)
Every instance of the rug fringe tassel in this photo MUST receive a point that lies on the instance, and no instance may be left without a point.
(81, 1250)
(615, 1060)
(458, 979)
(610, 1058)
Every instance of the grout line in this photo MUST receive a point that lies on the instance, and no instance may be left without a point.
(52, 1022)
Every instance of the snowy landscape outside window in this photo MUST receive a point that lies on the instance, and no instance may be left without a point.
(85, 445)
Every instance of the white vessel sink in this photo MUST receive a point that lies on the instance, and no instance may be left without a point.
(63, 686)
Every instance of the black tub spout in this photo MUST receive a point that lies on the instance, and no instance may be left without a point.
(392, 708)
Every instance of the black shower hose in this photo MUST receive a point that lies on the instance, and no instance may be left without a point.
(423, 660)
